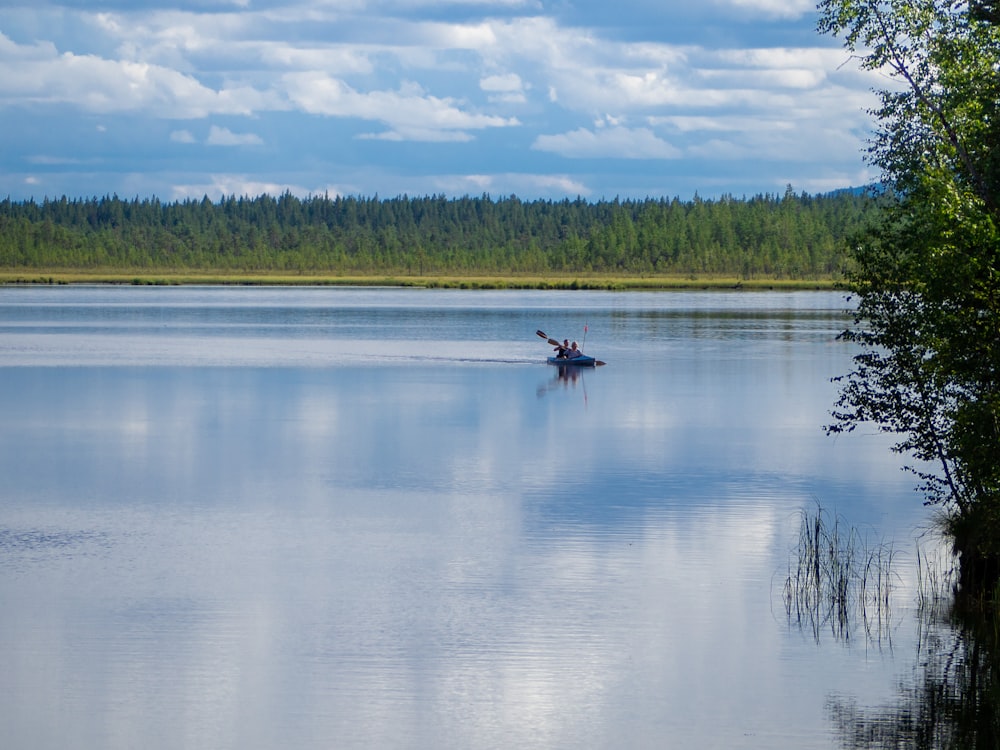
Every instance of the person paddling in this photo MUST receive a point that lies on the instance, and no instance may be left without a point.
(562, 350)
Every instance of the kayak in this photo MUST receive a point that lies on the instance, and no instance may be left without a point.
(582, 361)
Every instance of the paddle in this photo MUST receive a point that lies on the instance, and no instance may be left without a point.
(543, 335)
(551, 341)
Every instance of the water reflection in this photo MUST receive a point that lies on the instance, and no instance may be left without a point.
(336, 518)
(565, 376)
(951, 701)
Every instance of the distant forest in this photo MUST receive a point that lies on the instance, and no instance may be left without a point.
(789, 236)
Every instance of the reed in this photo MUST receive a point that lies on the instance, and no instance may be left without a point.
(937, 572)
(838, 577)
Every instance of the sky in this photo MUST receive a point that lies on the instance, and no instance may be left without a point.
(542, 99)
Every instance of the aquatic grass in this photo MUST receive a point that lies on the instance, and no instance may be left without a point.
(937, 572)
(837, 577)
(939, 579)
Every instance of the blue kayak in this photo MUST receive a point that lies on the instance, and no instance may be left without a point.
(582, 361)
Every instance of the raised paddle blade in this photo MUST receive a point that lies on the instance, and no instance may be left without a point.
(544, 336)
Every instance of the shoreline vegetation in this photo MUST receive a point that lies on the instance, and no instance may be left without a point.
(569, 282)
(767, 241)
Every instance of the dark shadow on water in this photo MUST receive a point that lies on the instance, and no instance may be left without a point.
(840, 582)
(951, 701)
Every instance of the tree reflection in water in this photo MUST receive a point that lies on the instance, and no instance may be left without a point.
(953, 701)
(840, 580)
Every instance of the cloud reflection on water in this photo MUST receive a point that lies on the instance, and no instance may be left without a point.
(384, 550)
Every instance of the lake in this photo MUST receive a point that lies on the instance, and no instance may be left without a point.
(375, 518)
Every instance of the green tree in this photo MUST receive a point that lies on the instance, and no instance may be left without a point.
(797, 235)
(927, 274)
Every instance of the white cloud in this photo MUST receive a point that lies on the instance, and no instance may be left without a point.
(722, 149)
(793, 78)
(182, 136)
(40, 74)
(410, 113)
(508, 183)
(789, 9)
(608, 142)
(225, 137)
(411, 133)
(397, 72)
(578, 70)
(220, 186)
(557, 184)
(506, 89)
(506, 83)
(509, 98)
(331, 59)
(585, 74)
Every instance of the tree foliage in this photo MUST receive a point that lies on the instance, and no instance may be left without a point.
(768, 236)
(928, 276)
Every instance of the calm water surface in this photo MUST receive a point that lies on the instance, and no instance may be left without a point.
(344, 518)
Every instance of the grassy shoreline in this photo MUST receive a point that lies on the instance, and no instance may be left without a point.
(443, 281)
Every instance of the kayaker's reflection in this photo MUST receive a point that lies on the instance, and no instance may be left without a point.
(568, 373)
(567, 376)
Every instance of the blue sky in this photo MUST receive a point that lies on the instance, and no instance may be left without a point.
(535, 98)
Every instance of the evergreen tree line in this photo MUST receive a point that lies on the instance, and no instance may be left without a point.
(770, 236)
